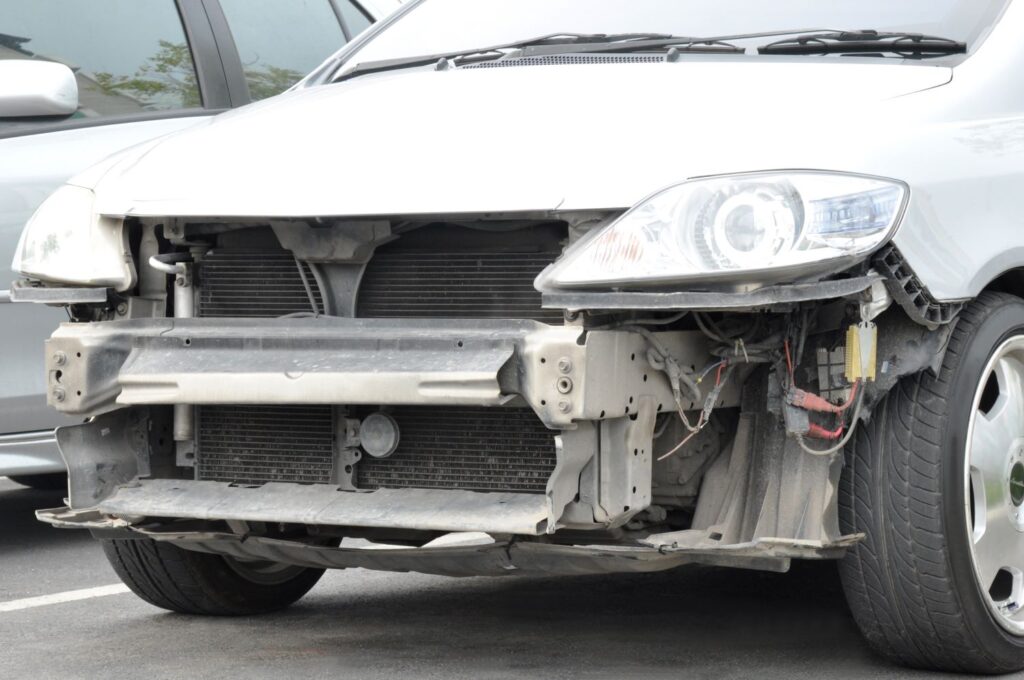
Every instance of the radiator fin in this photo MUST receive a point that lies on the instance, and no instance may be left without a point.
(440, 447)
(254, 284)
(259, 444)
(478, 449)
(456, 285)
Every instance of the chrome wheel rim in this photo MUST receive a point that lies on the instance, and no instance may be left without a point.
(994, 484)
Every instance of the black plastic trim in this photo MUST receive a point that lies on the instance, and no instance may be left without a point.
(213, 86)
(707, 301)
(227, 53)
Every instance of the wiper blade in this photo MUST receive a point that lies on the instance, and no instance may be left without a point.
(554, 43)
(866, 42)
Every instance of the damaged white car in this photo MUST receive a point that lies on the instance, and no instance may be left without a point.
(514, 286)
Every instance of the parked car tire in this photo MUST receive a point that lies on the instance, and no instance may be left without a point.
(192, 582)
(51, 482)
(937, 581)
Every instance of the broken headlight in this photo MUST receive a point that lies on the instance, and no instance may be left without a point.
(66, 242)
(746, 229)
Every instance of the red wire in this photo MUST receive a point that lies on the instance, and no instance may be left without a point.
(852, 398)
(818, 432)
(718, 373)
(789, 361)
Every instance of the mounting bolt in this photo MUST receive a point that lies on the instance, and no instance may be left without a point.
(59, 358)
(564, 406)
(564, 385)
(565, 365)
(58, 394)
(122, 309)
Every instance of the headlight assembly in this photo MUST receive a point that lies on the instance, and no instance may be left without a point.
(66, 242)
(745, 229)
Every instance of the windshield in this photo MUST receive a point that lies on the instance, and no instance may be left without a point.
(440, 26)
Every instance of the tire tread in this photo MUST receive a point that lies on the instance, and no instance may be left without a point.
(898, 581)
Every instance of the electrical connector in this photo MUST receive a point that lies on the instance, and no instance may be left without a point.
(861, 351)
(811, 402)
(819, 432)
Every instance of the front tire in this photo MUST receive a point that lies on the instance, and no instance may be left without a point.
(923, 586)
(192, 582)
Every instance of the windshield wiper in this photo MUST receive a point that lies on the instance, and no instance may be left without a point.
(914, 45)
(554, 43)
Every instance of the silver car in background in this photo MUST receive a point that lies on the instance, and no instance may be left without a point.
(79, 81)
(588, 286)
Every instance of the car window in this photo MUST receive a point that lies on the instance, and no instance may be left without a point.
(355, 19)
(129, 56)
(279, 41)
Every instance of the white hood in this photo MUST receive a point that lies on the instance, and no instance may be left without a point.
(514, 139)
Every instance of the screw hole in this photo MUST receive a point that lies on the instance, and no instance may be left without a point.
(188, 341)
(602, 414)
(543, 402)
(632, 357)
(78, 393)
(348, 468)
(78, 354)
(645, 377)
(631, 400)
(459, 343)
(543, 360)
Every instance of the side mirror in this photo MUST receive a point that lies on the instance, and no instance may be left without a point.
(31, 88)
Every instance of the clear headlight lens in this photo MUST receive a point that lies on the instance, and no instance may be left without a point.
(66, 242)
(737, 227)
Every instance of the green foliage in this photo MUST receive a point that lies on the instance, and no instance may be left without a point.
(267, 83)
(167, 80)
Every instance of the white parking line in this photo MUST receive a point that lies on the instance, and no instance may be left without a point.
(66, 596)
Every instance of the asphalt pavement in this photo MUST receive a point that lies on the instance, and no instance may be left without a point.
(687, 623)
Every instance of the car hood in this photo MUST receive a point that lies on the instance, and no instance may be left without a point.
(525, 138)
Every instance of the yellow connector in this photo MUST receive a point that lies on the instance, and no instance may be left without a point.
(861, 351)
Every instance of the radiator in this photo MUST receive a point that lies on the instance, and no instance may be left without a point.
(469, 448)
(254, 283)
(258, 444)
(457, 285)
(479, 449)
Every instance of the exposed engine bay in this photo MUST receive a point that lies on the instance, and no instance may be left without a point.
(271, 390)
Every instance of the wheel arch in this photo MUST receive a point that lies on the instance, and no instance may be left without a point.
(1010, 281)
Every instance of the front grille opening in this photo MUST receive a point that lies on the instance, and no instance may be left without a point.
(449, 271)
(467, 448)
(476, 449)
